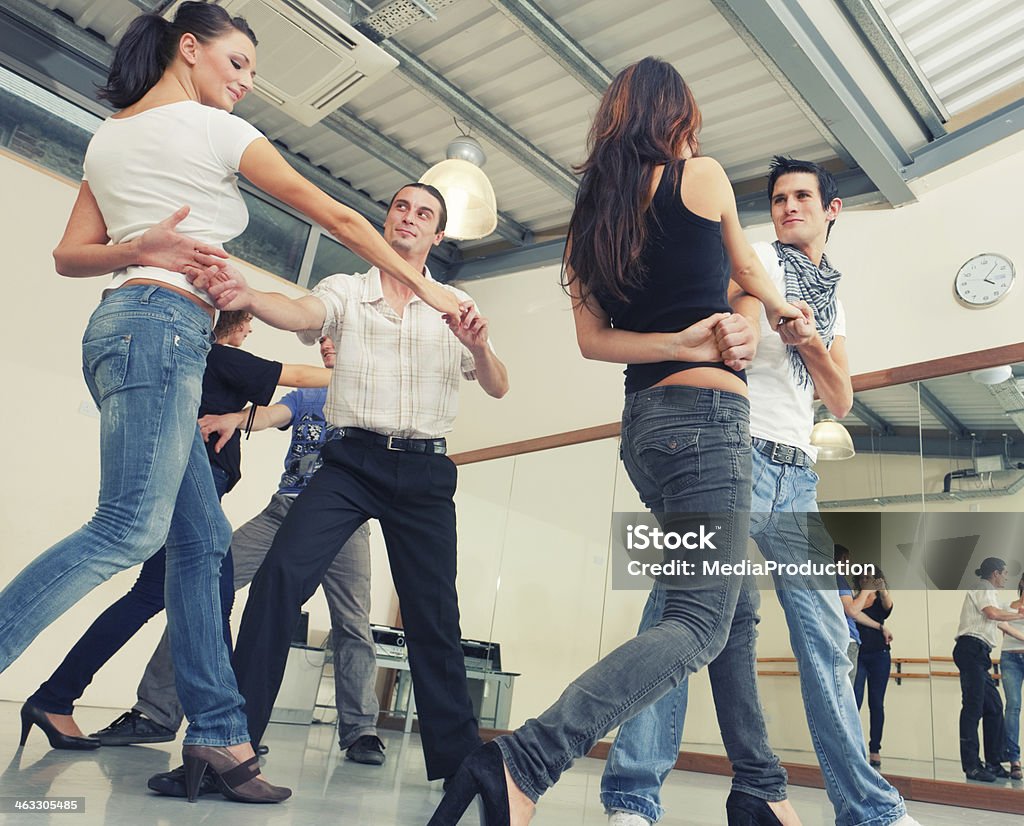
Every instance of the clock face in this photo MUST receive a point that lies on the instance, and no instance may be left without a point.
(984, 280)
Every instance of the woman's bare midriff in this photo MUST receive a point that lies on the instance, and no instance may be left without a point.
(707, 378)
(195, 299)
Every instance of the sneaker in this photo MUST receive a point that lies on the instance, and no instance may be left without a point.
(997, 770)
(172, 783)
(132, 728)
(367, 749)
(627, 819)
(981, 775)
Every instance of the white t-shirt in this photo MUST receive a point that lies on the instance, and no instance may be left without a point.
(781, 410)
(973, 623)
(1012, 643)
(142, 168)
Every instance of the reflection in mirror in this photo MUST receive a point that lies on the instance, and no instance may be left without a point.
(965, 456)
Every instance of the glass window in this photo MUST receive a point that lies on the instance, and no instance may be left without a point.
(274, 240)
(331, 258)
(42, 127)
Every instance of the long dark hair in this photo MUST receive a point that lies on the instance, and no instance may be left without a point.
(150, 43)
(647, 116)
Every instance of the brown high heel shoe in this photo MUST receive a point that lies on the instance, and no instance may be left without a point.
(236, 779)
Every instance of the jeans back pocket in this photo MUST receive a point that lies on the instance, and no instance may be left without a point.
(105, 364)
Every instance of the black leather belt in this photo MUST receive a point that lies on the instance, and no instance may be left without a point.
(782, 454)
(388, 442)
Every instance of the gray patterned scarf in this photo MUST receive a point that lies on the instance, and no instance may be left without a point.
(816, 286)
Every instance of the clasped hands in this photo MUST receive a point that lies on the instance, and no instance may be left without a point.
(732, 339)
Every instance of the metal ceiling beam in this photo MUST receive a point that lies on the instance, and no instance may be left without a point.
(420, 76)
(881, 37)
(1000, 124)
(794, 45)
(557, 43)
(400, 159)
(871, 418)
(932, 404)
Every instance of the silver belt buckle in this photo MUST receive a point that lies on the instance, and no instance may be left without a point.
(388, 445)
(783, 454)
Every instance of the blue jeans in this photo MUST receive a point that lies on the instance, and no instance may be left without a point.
(686, 450)
(873, 668)
(1011, 666)
(786, 527)
(143, 356)
(119, 623)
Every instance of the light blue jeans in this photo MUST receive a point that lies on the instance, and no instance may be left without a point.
(143, 356)
(786, 527)
(686, 450)
(1011, 666)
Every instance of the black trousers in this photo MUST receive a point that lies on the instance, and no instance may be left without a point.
(410, 494)
(981, 701)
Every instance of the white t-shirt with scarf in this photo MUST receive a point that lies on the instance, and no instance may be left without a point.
(781, 410)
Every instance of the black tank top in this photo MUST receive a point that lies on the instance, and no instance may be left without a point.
(686, 279)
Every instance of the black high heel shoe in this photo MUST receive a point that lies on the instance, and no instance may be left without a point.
(32, 715)
(744, 809)
(236, 779)
(481, 773)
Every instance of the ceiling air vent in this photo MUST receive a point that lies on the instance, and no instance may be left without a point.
(310, 59)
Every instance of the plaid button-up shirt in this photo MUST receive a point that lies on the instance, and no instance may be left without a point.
(396, 375)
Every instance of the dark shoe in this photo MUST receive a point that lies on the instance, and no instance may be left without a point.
(481, 773)
(237, 780)
(744, 809)
(1015, 772)
(132, 728)
(997, 770)
(262, 750)
(876, 762)
(34, 716)
(172, 783)
(367, 749)
(981, 775)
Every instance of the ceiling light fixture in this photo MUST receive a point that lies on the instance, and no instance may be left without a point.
(469, 196)
(833, 441)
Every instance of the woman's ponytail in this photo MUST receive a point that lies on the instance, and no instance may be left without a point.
(150, 43)
(139, 61)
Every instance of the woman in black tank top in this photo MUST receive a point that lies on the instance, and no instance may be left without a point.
(649, 282)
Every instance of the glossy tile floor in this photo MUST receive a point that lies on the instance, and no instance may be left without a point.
(330, 790)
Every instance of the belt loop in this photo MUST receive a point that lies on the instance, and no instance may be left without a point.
(716, 399)
(148, 294)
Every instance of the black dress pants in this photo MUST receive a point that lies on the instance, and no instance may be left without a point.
(980, 702)
(410, 494)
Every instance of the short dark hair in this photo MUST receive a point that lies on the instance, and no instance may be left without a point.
(229, 321)
(442, 218)
(989, 566)
(839, 552)
(828, 188)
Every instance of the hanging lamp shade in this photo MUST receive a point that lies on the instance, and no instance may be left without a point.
(469, 196)
(833, 441)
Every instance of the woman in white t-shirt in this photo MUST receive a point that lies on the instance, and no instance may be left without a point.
(174, 148)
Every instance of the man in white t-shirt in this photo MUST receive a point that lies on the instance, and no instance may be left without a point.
(982, 618)
(808, 357)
